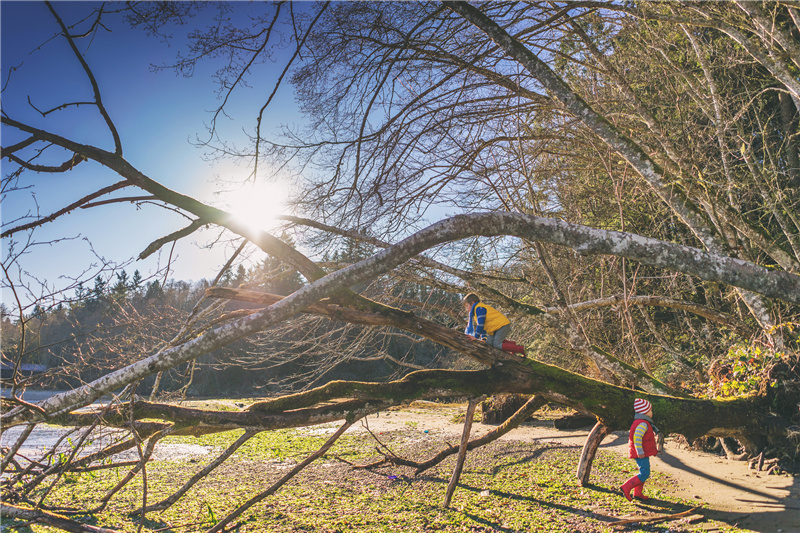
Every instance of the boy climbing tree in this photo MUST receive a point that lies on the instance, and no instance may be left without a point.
(484, 322)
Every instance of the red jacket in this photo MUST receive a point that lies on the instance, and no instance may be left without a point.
(641, 440)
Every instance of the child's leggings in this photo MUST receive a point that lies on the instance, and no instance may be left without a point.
(644, 468)
(496, 339)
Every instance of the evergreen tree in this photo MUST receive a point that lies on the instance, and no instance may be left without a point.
(136, 281)
(99, 288)
(355, 250)
(154, 290)
(241, 276)
(120, 289)
(38, 312)
(81, 293)
(278, 277)
(226, 278)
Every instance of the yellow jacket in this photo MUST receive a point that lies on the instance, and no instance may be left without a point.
(484, 320)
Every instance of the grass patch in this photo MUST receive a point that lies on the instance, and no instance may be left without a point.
(508, 486)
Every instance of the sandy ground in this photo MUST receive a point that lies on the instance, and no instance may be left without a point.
(730, 492)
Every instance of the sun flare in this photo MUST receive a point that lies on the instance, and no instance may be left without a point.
(257, 206)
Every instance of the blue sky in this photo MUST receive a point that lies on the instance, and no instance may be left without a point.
(157, 114)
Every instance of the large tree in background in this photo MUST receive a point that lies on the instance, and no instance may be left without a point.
(624, 181)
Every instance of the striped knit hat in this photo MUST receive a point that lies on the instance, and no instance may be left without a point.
(641, 405)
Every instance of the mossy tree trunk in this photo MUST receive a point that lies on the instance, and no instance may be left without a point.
(747, 419)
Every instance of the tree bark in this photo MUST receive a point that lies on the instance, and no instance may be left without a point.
(747, 419)
(50, 519)
(593, 441)
(462, 453)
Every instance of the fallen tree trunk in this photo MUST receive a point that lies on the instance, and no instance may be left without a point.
(747, 419)
(587, 241)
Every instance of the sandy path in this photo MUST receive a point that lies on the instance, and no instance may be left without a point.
(730, 491)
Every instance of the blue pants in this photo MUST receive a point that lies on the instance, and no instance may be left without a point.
(644, 468)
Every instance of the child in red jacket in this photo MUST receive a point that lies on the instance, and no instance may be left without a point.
(641, 446)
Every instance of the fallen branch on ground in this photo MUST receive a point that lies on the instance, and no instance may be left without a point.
(219, 526)
(50, 519)
(522, 414)
(652, 519)
(462, 453)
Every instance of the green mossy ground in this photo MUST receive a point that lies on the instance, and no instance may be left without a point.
(508, 486)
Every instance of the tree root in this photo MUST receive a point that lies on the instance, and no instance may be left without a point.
(760, 464)
(731, 445)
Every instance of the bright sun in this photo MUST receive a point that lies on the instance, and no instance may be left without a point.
(256, 206)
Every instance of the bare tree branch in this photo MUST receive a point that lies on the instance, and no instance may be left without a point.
(80, 203)
(50, 519)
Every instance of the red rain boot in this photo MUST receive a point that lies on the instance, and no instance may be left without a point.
(629, 485)
(637, 493)
(513, 347)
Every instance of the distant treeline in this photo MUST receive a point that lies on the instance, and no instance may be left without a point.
(124, 318)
